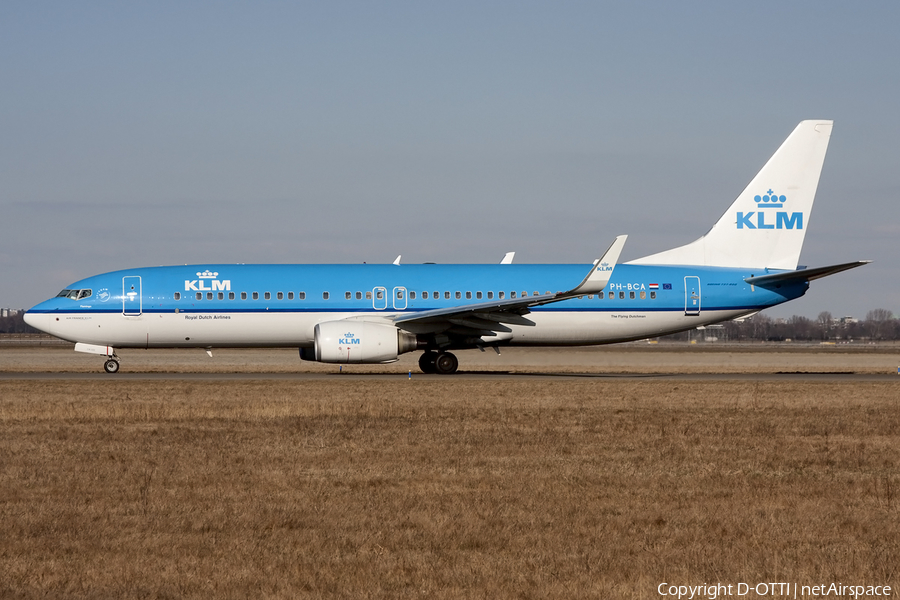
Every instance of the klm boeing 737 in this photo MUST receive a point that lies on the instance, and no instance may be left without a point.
(373, 313)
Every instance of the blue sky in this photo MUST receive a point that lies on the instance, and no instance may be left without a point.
(136, 134)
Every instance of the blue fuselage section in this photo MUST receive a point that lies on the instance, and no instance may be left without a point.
(211, 289)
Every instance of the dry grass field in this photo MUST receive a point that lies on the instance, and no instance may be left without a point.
(385, 487)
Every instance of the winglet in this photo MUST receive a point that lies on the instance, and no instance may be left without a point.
(508, 258)
(602, 270)
(397, 260)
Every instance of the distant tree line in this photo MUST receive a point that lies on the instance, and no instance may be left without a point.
(879, 325)
(16, 324)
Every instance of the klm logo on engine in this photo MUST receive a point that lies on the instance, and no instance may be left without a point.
(207, 282)
(770, 204)
(348, 340)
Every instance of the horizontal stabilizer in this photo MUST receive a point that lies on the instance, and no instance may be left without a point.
(804, 274)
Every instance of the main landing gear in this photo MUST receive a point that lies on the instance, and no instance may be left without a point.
(442, 363)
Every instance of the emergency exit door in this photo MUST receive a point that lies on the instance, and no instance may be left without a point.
(691, 296)
(132, 302)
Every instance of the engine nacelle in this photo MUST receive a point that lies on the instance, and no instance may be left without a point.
(361, 342)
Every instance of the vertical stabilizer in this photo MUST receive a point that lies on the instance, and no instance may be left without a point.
(765, 226)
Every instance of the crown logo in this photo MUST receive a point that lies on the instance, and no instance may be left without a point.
(207, 274)
(770, 200)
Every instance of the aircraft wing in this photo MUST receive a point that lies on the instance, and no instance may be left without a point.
(490, 318)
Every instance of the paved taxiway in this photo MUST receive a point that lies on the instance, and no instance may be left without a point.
(471, 376)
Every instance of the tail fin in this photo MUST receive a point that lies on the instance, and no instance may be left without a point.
(765, 226)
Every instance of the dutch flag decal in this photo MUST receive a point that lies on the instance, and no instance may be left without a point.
(654, 286)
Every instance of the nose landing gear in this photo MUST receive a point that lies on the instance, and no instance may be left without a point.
(112, 361)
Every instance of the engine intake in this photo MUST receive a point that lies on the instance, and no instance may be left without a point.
(361, 342)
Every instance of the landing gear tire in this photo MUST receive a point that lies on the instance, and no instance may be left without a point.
(445, 363)
(111, 366)
(426, 362)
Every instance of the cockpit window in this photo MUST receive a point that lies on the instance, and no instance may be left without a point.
(75, 294)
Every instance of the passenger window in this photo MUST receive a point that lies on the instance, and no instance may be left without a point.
(512, 294)
(536, 293)
(424, 295)
(490, 295)
(243, 295)
(653, 295)
(412, 295)
(621, 295)
(221, 295)
(199, 295)
(302, 295)
(359, 295)
(209, 295)
(325, 295)
(379, 294)
(446, 295)
(643, 295)
(368, 295)
(500, 295)
(458, 295)
(468, 295)
(631, 295)
(347, 295)
(399, 294)
(231, 295)
(280, 295)
(290, 295)
(256, 295)
(600, 296)
(268, 296)
(178, 295)
(478, 295)
(524, 294)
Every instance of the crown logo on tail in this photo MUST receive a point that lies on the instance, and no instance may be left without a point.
(770, 200)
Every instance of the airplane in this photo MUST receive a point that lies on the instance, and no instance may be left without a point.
(369, 313)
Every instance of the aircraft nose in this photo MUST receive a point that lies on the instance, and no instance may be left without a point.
(38, 321)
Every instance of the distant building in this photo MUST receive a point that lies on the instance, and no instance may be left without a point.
(8, 312)
(849, 320)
